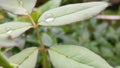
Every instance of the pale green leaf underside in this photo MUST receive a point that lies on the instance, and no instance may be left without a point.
(25, 59)
(13, 29)
(72, 13)
(4, 42)
(70, 56)
(18, 6)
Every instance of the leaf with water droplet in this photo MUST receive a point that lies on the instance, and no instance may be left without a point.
(47, 6)
(72, 13)
(8, 30)
(22, 7)
(49, 18)
(14, 29)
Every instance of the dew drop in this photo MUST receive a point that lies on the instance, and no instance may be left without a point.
(49, 18)
(8, 30)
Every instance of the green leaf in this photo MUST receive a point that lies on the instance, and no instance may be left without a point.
(25, 59)
(13, 29)
(4, 42)
(117, 67)
(71, 13)
(47, 40)
(22, 19)
(49, 5)
(22, 7)
(75, 57)
(1, 67)
(4, 62)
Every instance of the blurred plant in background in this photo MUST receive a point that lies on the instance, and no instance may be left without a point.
(101, 35)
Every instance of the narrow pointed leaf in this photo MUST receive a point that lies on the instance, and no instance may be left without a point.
(25, 59)
(75, 57)
(13, 29)
(71, 13)
(49, 5)
(18, 6)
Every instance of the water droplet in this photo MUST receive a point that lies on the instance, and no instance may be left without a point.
(49, 18)
(8, 30)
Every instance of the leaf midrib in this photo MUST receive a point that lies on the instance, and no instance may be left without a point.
(76, 11)
(27, 57)
(70, 58)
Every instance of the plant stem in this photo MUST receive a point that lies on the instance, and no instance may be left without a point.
(39, 38)
(4, 62)
(32, 21)
(45, 62)
(37, 31)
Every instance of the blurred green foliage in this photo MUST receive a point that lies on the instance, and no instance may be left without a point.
(100, 36)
